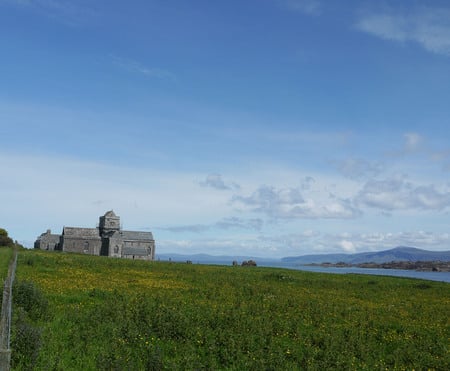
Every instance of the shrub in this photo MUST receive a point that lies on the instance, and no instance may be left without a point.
(28, 297)
(4, 239)
(26, 342)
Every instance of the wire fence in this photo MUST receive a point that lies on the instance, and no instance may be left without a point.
(5, 321)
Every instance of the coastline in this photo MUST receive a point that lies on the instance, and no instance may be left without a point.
(421, 266)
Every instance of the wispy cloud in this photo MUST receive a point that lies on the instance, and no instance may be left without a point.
(310, 7)
(192, 228)
(413, 142)
(240, 223)
(307, 183)
(398, 194)
(162, 197)
(307, 242)
(428, 27)
(254, 224)
(442, 157)
(357, 168)
(289, 203)
(64, 11)
(215, 181)
(137, 67)
(232, 246)
(318, 242)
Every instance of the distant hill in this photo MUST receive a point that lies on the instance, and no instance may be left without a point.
(400, 253)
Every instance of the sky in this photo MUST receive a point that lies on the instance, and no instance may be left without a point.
(265, 128)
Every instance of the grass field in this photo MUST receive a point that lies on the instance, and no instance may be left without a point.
(5, 257)
(77, 312)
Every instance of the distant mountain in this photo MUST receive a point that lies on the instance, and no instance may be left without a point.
(397, 254)
(400, 253)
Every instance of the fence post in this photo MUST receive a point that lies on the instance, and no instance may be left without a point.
(5, 321)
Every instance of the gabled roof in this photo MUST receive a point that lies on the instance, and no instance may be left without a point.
(110, 213)
(140, 236)
(81, 232)
(49, 237)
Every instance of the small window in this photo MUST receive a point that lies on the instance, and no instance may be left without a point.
(86, 247)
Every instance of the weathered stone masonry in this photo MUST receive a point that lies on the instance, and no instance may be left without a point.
(108, 239)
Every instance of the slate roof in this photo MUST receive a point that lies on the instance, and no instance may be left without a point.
(140, 236)
(49, 237)
(81, 232)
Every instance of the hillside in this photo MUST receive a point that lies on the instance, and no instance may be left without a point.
(95, 313)
(400, 253)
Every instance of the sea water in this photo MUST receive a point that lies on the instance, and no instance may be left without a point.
(425, 275)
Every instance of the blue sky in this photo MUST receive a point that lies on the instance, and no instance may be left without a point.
(265, 128)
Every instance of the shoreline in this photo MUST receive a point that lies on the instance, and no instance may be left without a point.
(420, 266)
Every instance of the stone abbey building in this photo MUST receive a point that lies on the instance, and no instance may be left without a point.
(108, 239)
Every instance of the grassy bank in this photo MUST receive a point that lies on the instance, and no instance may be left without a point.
(100, 313)
(5, 257)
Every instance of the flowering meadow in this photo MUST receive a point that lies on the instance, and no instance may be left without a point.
(98, 313)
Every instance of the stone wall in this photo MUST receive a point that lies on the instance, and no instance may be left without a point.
(81, 240)
(90, 246)
(108, 240)
(48, 241)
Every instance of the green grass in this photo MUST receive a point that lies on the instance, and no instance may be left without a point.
(5, 257)
(99, 313)
(6, 254)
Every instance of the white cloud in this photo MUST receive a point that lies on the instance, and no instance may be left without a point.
(387, 240)
(215, 181)
(398, 194)
(347, 246)
(307, 183)
(43, 192)
(427, 27)
(40, 192)
(307, 242)
(322, 243)
(289, 203)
